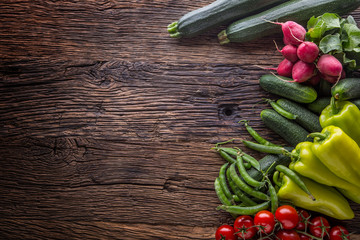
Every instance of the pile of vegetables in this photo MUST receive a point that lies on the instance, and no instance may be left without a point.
(316, 113)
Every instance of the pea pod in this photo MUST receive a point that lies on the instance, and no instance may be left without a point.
(244, 187)
(244, 174)
(238, 210)
(255, 135)
(280, 110)
(265, 149)
(220, 193)
(273, 196)
(222, 181)
(234, 152)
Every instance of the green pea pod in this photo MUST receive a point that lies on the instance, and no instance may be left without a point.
(245, 210)
(265, 149)
(220, 193)
(256, 135)
(222, 181)
(245, 175)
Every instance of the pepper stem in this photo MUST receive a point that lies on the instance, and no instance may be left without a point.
(333, 105)
(322, 136)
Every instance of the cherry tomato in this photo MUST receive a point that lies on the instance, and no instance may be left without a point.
(265, 221)
(304, 237)
(304, 218)
(285, 234)
(319, 227)
(339, 233)
(287, 216)
(244, 227)
(225, 232)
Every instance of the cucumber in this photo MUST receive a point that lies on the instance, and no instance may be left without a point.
(304, 117)
(215, 14)
(319, 104)
(347, 88)
(284, 87)
(299, 11)
(290, 131)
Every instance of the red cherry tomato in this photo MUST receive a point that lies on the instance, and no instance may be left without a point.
(287, 216)
(304, 237)
(319, 227)
(225, 232)
(285, 234)
(244, 227)
(339, 233)
(264, 221)
(304, 218)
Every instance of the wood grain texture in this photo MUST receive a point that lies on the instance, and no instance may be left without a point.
(106, 123)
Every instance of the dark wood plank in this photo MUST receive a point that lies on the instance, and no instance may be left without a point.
(107, 123)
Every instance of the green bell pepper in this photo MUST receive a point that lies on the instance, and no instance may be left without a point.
(328, 201)
(308, 165)
(339, 153)
(344, 115)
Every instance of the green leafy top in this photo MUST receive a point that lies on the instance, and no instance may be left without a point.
(337, 36)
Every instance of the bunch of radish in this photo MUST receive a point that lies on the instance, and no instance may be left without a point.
(302, 59)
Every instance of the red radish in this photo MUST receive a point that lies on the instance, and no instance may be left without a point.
(293, 32)
(289, 52)
(328, 65)
(302, 71)
(315, 80)
(285, 41)
(284, 69)
(308, 52)
(333, 79)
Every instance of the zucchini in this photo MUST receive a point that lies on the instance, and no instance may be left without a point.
(319, 104)
(285, 87)
(215, 14)
(304, 117)
(347, 88)
(290, 131)
(299, 11)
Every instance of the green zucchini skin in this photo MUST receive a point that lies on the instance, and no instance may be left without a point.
(284, 87)
(215, 14)
(289, 130)
(299, 11)
(304, 117)
(347, 88)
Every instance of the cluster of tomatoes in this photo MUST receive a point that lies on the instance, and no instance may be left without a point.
(286, 224)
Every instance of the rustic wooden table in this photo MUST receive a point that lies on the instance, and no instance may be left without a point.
(107, 123)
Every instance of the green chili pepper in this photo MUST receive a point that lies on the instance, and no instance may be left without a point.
(281, 110)
(328, 201)
(339, 153)
(295, 178)
(344, 115)
(245, 210)
(244, 187)
(244, 174)
(308, 165)
(255, 135)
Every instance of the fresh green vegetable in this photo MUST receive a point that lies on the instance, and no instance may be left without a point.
(264, 148)
(319, 104)
(283, 87)
(280, 110)
(238, 210)
(222, 181)
(244, 187)
(220, 193)
(328, 201)
(299, 11)
(348, 88)
(305, 163)
(290, 131)
(255, 135)
(244, 174)
(215, 14)
(305, 118)
(273, 196)
(234, 152)
(344, 115)
(339, 153)
(337, 36)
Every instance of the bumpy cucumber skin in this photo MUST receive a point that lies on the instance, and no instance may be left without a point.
(289, 130)
(318, 105)
(300, 11)
(283, 87)
(268, 164)
(347, 88)
(304, 117)
(218, 13)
